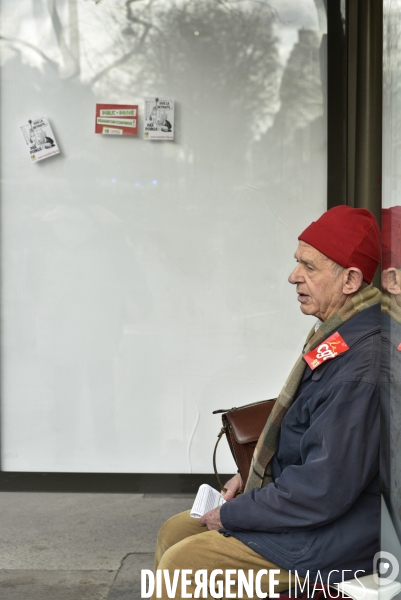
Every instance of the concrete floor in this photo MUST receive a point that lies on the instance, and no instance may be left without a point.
(79, 546)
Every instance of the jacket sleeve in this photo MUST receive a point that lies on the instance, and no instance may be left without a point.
(339, 458)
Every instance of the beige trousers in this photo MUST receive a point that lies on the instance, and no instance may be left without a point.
(183, 544)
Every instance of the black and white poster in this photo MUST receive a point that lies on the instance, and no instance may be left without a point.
(39, 138)
(159, 119)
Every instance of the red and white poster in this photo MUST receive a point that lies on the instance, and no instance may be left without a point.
(116, 119)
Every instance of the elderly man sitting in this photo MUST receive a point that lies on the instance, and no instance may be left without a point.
(311, 501)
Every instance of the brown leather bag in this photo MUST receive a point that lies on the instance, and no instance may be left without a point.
(242, 426)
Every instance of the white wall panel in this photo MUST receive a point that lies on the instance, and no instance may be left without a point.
(144, 284)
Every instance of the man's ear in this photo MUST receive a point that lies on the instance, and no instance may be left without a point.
(353, 280)
(391, 281)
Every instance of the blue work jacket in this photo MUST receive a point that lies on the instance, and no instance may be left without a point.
(322, 510)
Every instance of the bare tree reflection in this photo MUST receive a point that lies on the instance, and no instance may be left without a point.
(231, 49)
(284, 154)
(229, 45)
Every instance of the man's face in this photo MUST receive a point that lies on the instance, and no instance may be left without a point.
(319, 284)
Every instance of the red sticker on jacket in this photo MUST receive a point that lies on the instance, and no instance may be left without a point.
(330, 348)
(399, 347)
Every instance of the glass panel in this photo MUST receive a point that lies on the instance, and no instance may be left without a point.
(391, 283)
(145, 282)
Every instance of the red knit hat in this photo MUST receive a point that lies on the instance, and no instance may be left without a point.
(391, 237)
(349, 236)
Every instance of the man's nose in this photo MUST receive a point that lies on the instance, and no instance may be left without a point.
(295, 276)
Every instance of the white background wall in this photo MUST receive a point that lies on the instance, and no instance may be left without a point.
(144, 284)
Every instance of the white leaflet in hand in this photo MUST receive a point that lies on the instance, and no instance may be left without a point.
(206, 499)
(39, 138)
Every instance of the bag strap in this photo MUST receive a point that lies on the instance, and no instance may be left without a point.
(222, 432)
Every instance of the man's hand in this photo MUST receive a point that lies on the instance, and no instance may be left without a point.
(211, 519)
(232, 486)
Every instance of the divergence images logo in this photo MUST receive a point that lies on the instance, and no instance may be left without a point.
(385, 568)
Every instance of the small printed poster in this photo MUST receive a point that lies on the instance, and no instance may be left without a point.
(39, 138)
(116, 119)
(159, 119)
